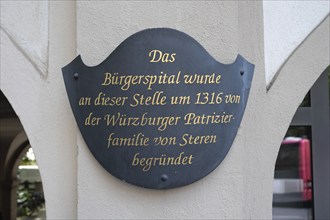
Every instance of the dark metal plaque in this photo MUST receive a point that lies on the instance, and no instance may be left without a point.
(159, 112)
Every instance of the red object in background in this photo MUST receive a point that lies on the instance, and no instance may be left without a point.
(304, 165)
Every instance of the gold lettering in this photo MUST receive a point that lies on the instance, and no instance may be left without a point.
(84, 101)
(164, 141)
(135, 140)
(233, 98)
(135, 160)
(161, 122)
(180, 100)
(154, 54)
(202, 78)
(126, 81)
(103, 100)
(177, 160)
(147, 162)
(158, 55)
(196, 140)
(92, 120)
(107, 79)
(184, 160)
(172, 57)
(193, 119)
(158, 98)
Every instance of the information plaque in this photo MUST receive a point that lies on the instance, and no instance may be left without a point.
(159, 112)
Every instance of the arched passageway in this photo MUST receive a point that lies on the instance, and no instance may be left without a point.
(301, 177)
(14, 145)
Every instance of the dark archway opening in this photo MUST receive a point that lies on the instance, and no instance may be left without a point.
(302, 170)
(14, 145)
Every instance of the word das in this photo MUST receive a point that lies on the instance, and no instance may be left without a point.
(158, 55)
(147, 162)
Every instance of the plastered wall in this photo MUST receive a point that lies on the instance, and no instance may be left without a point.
(286, 25)
(216, 26)
(32, 82)
(76, 186)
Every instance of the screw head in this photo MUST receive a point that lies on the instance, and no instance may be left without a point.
(76, 76)
(164, 178)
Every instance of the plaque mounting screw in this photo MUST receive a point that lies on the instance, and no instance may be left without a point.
(75, 76)
(241, 72)
(164, 178)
